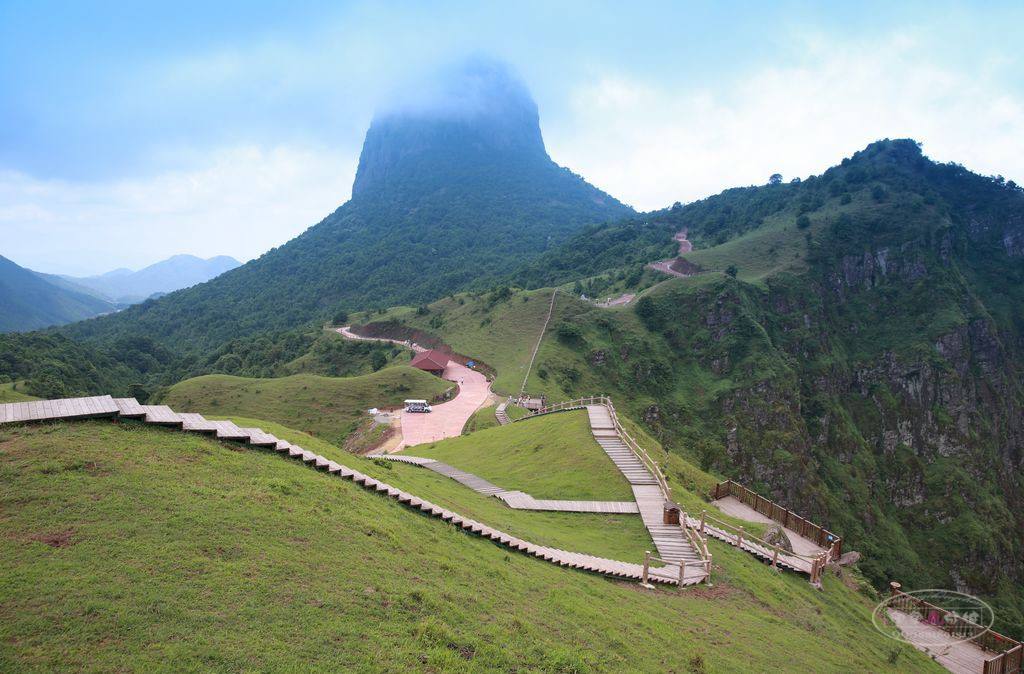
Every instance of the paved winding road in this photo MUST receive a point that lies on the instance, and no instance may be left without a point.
(447, 419)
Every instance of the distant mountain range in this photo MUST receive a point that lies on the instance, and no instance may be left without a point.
(124, 286)
(30, 300)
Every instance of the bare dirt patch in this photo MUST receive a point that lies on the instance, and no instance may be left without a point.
(683, 266)
(55, 539)
(717, 591)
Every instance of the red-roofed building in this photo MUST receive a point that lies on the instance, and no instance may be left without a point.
(432, 361)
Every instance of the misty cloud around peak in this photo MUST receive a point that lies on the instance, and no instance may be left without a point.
(476, 86)
(472, 113)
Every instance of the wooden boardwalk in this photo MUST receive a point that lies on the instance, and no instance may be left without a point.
(730, 505)
(783, 561)
(67, 408)
(516, 499)
(959, 657)
(105, 406)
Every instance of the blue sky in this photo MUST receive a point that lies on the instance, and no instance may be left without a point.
(129, 134)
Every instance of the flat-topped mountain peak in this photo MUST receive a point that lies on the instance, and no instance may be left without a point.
(477, 113)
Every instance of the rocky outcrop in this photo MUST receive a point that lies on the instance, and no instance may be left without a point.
(776, 535)
(1014, 243)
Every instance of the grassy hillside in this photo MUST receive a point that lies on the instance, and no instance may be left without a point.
(617, 536)
(132, 547)
(553, 456)
(14, 392)
(481, 419)
(328, 407)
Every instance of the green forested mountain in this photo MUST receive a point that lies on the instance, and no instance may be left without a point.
(863, 361)
(29, 302)
(454, 191)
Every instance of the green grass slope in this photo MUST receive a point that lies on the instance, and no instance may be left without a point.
(328, 407)
(481, 419)
(12, 392)
(617, 536)
(499, 328)
(129, 548)
(551, 457)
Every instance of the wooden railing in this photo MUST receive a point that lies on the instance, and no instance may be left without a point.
(1007, 662)
(699, 542)
(705, 566)
(783, 516)
(574, 404)
(1008, 651)
(815, 563)
(640, 452)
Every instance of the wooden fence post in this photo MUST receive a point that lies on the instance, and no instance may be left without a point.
(682, 574)
(647, 565)
(775, 559)
(739, 538)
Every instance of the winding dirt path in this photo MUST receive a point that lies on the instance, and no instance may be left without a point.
(665, 266)
(446, 420)
(348, 334)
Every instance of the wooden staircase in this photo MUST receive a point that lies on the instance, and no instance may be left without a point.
(501, 415)
(670, 540)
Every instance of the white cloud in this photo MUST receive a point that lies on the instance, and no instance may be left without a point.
(651, 144)
(241, 201)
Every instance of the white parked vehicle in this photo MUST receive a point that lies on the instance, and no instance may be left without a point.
(416, 406)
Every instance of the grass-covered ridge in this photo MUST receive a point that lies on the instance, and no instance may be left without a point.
(132, 547)
(499, 327)
(328, 407)
(550, 457)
